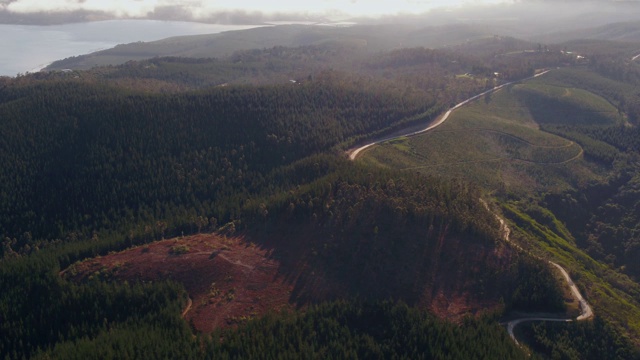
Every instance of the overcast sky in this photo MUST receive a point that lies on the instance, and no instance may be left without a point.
(204, 8)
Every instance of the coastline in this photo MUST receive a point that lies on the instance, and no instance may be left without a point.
(31, 48)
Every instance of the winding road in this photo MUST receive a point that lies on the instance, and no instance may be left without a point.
(585, 309)
(353, 153)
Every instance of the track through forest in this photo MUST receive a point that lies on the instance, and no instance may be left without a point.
(585, 308)
(188, 307)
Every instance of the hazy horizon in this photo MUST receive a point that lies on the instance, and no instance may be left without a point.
(28, 48)
(253, 12)
(240, 11)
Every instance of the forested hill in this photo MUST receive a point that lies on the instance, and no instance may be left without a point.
(372, 38)
(74, 152)
(349, 232)
(84, 149)
(101, 161)
(90, 170)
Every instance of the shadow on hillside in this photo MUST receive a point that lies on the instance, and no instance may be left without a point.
(421, 267)
(547, 110)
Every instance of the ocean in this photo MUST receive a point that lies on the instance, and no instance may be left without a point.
(29, 48)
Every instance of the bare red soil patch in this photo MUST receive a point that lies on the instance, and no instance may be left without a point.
(229, 279)
(232, 279)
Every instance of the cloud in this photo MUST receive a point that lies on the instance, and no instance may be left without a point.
(117, 7)
(208, 8)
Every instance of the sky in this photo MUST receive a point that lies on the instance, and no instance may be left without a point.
(204, 8)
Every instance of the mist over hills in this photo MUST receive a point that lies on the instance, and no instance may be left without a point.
(622, 32)
(536, 22)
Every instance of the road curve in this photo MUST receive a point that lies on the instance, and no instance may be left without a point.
(585, 309)
(512, 324)
(439, 121)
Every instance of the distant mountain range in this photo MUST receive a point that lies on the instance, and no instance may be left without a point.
(372, 38)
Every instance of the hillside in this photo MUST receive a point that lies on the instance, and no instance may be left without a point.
(620, 32)
(300, 255)
(101, 166)
(504, 150)
(179, 207)
(127, 151)
(134, 142)
(369, 38)
(537, 146)
(229, 280)
(613, 26)
(319, 260)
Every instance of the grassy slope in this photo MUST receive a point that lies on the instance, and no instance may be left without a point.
(565, 105)
(496, 142)
(502, 148)
(612, 295)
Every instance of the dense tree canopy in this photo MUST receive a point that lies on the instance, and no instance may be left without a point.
(122, 156)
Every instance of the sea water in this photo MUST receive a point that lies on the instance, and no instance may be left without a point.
(29, 48)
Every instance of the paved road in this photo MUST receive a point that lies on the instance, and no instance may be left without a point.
(585, 309)
(512, 324)
(355, 152)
